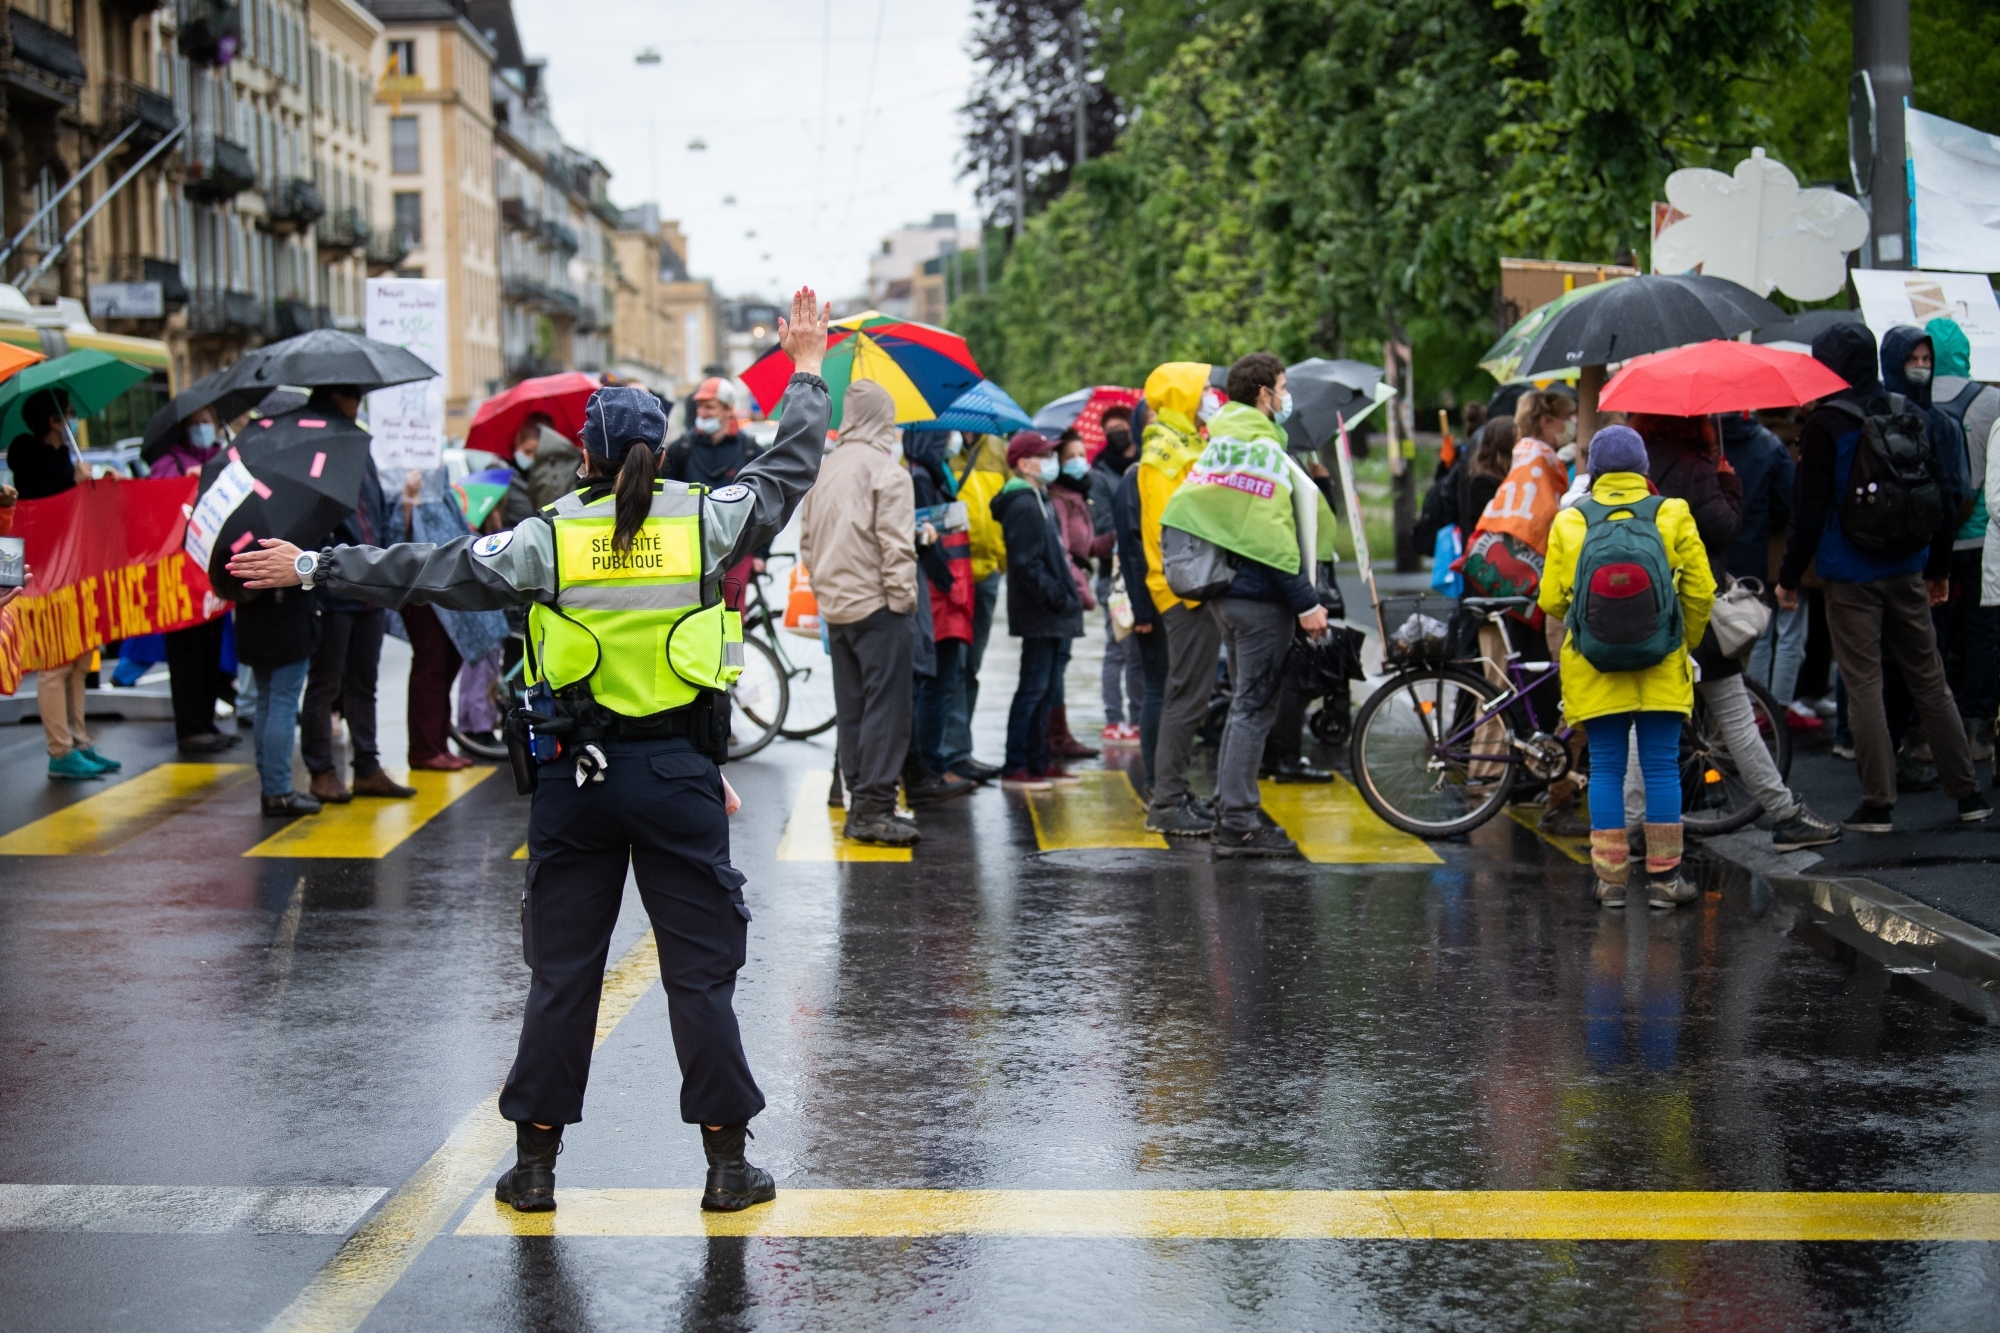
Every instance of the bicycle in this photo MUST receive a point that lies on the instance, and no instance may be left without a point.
(1438, 748)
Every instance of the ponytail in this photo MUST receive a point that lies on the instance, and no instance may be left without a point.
(634, 490)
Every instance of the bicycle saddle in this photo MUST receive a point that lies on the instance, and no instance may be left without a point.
(1486, 605)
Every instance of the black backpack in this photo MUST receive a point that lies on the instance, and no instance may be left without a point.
(1894, 503)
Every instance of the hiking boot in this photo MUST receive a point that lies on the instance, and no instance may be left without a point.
(104, 764)
(933, 788)
(1664, 893)
(74, 767)
(380, 783)
(733, 1184)
(1563, 820)
(328, 789)
(1298, 770)
(1183, 821)
(1061, 744)
(1609, 894)
(529, 1186)
(1872, 818)
(1973, 808)
(1020, 779)
(1260, 841)
(880, 830)
(1804, 829)
(291, 803)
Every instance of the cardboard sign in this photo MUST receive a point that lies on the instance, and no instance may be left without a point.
(407, 421)
(1890, 297)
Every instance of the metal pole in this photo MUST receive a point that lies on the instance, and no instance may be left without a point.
(1082, 90)
(1020, 185)
(1882, 52)
(63, 193)
(29, 276)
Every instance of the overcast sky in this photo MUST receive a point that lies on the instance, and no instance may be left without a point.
(825, 137)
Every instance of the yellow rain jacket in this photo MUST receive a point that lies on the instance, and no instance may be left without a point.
(1169, 450)
(985, 473)
(1667, 687)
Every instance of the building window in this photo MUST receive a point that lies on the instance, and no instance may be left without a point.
(403, 156)
(410, 216)
(404, 53)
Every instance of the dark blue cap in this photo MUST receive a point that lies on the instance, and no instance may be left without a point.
(620, 416)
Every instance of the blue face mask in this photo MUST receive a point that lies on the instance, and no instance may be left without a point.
(1284, 411)
(1049, 470)
(202, 434)
(708, 425)
(1076, 469)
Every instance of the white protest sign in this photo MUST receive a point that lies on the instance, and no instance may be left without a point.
(1756, 227)
(1956, 171)
(232, 486)
(407, 420)
(1890, 297)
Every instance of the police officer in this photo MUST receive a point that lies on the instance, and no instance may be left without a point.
(630, 648)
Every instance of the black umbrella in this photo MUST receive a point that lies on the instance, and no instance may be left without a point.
(1322, 393)
(210, 391)
(328, 356)
(1650, 313)
(295, 479)
(1803, 327)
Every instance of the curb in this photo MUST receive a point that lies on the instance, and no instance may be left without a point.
(1958, 960)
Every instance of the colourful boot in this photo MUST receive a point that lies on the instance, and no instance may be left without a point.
(1667, 887)
(1612, 860)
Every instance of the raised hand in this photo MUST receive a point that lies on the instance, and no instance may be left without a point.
(803, 336)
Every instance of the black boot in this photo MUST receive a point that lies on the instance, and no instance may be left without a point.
(530, 1186)
(733, 1184)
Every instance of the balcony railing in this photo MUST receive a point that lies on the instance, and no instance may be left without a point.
(44, 65)
(386, 250)
(531, 366)
(554, 300)
(520, 215)
(217, 169)
(559, 236)
(294, 205)
(344, 229)
(212, 311)
(123, 102)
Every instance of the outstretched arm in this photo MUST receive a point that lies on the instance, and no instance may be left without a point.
(743, 517)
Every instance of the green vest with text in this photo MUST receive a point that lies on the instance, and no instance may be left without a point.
(631, 624)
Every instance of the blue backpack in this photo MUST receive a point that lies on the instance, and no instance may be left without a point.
(1624, 612)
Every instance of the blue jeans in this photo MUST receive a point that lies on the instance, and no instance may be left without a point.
(1775, 660)
(941, 707)
(277, 718)
(1121, 680)
(1028, 719)
(1659, 761)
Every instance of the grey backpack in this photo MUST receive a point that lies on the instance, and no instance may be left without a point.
(1195, 568)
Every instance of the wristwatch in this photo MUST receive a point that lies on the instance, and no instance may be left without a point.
(305, 565)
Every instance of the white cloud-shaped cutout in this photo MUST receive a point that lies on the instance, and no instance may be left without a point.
(1758, 228)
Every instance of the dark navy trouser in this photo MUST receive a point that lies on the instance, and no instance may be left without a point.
(659, 809)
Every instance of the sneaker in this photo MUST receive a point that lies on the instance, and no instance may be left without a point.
(1828, 708)
(932, 790)
(74, 767)
(1804, 829)
(1609, 894)
(1872, 818)
(104, 764)
(1799, 717)
(1183, 821)
(1667, 892)
(1973, 808)
(289, 804)
(1119, 733)
(880, 830)
(1204, 809)
(1020, 779)
(1844, 749)
(1260, 841)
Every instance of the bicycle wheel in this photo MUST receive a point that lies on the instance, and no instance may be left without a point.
(490, 744)
(810, 676)
(1417, 761)
(1714, 797)
(759, 697)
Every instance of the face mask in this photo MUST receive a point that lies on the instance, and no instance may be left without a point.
(523, 461)
(1917, 375)
(202, 435)
(1567, 435)
(1076, 469)
(708, 425)
(1284, 409)
(1119, 438)
(954, 446)
(1049, 469)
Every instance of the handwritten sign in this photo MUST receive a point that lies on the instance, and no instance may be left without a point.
(407, 420)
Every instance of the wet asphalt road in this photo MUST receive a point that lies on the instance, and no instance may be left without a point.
(987, 1016)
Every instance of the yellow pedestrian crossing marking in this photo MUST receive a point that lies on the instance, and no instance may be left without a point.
(1333, 825)
(1103, 811)
(370, 827)
(100, 823)
(812, 833)
(1530, 818)
(1661, 1215)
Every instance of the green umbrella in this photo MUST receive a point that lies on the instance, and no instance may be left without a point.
(1503, 360)
(90, 378)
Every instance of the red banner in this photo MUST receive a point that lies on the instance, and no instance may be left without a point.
(105, 563)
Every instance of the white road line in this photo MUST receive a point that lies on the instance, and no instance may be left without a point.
(199, 1210)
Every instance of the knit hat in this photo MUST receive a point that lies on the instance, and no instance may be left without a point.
(1028, 444)
(618, 417)
(1617, 449)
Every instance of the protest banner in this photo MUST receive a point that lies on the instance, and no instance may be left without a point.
(407, 420)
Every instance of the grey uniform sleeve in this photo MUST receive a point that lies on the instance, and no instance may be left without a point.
(746, 514)
(466, 574)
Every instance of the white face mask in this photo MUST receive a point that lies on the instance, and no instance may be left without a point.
(1050, 469)
(708, 425)
(954, 446)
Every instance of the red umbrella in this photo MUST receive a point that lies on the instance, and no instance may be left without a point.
(560, 397)
(1718, 376)
(1084, 410)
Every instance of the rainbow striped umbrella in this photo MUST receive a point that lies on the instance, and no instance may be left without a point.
(925, 369)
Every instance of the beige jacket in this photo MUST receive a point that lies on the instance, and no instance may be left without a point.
(857, 529)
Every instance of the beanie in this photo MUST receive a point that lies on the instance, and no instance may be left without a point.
(1617, 449)
(618, 417)
(1028, 444)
